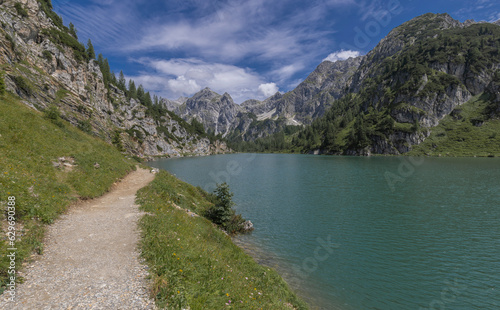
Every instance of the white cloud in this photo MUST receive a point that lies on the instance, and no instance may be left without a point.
(286, 72)
(494, 17)
(184, 77)
(183, 86)
(268, 89)
(342, 55)
(208, 43)
(104, 22)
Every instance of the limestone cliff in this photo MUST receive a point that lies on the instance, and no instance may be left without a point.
(43, 64)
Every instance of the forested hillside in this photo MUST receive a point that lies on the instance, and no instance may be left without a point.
(396, 99)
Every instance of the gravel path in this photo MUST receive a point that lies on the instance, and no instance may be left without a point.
(90, 259)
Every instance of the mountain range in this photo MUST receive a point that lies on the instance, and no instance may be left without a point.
(384, 102)
(388, 101)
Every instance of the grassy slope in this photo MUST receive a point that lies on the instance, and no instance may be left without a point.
(459, 134)
(29, 144)
(193, 263)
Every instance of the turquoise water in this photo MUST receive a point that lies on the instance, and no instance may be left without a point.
(368, 233)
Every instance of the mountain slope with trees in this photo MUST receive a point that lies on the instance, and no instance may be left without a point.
(48, 68)
(422, 72)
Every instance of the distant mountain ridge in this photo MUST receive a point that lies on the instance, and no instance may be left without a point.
(384, 102)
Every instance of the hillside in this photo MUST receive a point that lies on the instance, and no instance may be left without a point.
(47, 67)
(46, 164)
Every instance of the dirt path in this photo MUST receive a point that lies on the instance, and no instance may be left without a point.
(90, 260)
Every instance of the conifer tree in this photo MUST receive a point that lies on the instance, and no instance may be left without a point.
(132, 91)
(73, 31)
(49, 3)
(122, 83)
(140, 93)
(107, 70)
(147, 100)
(100, 60)
(90, 50)
(112, 78)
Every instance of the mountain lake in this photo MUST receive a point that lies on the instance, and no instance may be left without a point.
(367, 232)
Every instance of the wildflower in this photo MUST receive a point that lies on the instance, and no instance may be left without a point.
(227, 294)
(181, 271)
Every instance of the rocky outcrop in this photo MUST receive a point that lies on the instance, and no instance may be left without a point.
(217, 113)
(254, 119)
(45, 72)
(310, 99)
(421, 107)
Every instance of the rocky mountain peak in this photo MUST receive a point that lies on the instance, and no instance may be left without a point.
(226, 98)
(409, 32)
(276, 96)
(205, 93)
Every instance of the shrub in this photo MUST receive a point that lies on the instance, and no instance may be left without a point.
(21, 11)
(59, 37)
(47, 55)
(23, 85)
(52, 114)
(220, 213)
(2, 83)
(85, 126)
(9, 38)
(117, 141)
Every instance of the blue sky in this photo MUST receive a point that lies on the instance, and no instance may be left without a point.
(250, 49)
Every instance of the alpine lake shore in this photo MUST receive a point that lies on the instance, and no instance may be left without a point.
(47, 165)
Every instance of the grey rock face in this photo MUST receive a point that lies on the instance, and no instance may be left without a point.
(77, 89)
(214, 111)
(309, 100)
